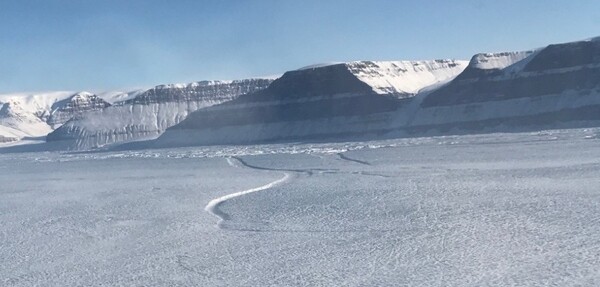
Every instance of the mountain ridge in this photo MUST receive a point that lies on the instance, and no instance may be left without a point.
(149, 113)
(557, 85)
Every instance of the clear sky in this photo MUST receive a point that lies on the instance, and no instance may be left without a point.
(113, 44)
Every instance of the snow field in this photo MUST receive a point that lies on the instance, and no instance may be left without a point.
(484, 210)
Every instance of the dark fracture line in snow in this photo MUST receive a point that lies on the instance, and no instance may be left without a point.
(372, 174)
(213, 206)
(312, 170)
(344, 157)
(309, 171)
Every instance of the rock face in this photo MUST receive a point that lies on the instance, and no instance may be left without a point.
(74, 107)
(148, 114)
(551, 87)
(4, 139)
(313, 103)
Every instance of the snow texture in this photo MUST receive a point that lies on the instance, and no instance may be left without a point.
(405, 77)
(489, 61)
(516, 209)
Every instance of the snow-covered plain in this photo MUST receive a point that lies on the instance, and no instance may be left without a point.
(480, 210)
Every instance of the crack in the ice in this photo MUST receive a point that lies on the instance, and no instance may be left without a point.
(213, 206)
(372, 174)
(345, 157)
(309, 171)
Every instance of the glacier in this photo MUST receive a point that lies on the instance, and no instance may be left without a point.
(490, 209)
(364, 173)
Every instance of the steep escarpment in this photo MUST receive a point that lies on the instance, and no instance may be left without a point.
(554, 86)
(150, 113)
(315, 102)
(75, 106)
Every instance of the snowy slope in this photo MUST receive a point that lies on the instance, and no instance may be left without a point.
(401, 78)
(489, 61)
(551, 86)
(555, 86)
(37, 114)
(115, 97)
(315, 102)
(149, 113)
(8, 134)
(26, 114)
(405, 78)
(484, 210)
(74, 106)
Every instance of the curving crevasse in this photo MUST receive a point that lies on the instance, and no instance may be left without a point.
(213, 206)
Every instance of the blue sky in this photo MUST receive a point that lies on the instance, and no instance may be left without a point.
(107, 44)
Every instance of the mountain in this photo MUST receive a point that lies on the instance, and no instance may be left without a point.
(35, 115)
(313, 102)
(149, 113)
(74, 106)
(555, 86)
(552, 87)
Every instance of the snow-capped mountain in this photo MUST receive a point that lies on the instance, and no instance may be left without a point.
(74, 106)
(404, 78)
(558, 85)
(552, 87)
(35, 115)
(149, 113)
(313, 102)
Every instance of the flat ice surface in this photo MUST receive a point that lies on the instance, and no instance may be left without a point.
(486, 210)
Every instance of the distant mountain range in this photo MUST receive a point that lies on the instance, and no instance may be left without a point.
(150, 113)
(36, 115)
(552, 87)
(335, 101)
